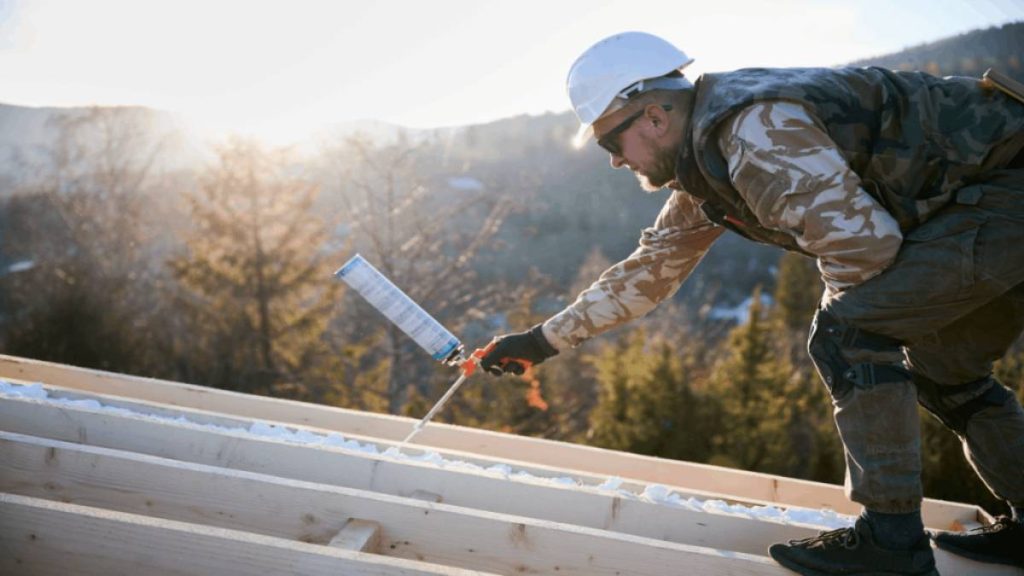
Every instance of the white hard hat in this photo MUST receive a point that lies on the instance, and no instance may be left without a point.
(612, 67)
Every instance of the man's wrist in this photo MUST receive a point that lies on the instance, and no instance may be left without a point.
(542, 341)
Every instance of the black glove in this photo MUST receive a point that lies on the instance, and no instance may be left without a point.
(514, 353)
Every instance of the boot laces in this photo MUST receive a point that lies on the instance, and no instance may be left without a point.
(845, 537)
(1001, 523)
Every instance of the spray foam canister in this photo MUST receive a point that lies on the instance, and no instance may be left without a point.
(400, 309)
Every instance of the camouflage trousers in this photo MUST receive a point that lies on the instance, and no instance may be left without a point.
(927, 330)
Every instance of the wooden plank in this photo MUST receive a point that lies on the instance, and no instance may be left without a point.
(435, 533)
(426, 496)
(741, 484)
(465, 488)
(42, 537)
(226, 421)
(294, 510)
(358, 535)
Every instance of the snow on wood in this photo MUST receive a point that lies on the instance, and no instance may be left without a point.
(653, 493)
(134, 483)
(576, 460)
(435, 533)
(471, 489)
(227, 472)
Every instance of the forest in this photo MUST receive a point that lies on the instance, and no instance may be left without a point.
(220, 274)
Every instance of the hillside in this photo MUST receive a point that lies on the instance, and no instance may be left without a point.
(968, 54)
(570, 199)
(217, 271)
(567, 198)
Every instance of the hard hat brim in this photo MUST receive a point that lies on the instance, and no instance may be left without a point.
(583, 135)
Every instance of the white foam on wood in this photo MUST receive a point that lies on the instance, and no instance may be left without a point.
(654, 493)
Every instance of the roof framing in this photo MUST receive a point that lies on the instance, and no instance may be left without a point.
(51, 537)
(412, 529)
(115, 491)
(579, 460)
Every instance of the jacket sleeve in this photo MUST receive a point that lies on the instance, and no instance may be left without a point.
(667, 253)
(793, 177)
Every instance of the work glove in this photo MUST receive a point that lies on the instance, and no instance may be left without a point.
(514, 353)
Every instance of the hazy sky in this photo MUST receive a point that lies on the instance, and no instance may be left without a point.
(281, 69)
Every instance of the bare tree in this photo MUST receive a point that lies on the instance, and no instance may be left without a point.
(400, 211)
(88, 296)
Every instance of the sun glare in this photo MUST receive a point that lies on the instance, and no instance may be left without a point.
(284, 71)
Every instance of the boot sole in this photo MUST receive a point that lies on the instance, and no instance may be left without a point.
(805, 571)
(975, 556)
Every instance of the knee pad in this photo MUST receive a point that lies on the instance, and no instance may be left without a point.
(955, 405)
(832, 344)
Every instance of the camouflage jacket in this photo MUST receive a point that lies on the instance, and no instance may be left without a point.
(787, 157)
(913, 139)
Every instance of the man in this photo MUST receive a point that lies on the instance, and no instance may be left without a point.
(909, 191)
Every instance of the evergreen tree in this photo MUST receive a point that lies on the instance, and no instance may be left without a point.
(518, 405)
(569, 382)
(762, 401)
(255, 279)
(797, 291)
(89, 297)
(646, 403)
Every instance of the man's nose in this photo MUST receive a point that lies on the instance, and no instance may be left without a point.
(616, 161)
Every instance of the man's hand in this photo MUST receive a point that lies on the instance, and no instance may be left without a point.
(514, 353)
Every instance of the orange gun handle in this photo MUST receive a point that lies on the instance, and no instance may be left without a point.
(470, 365)
(526, 364)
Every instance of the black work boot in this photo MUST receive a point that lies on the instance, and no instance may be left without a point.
(1001, 542)
(853, 552)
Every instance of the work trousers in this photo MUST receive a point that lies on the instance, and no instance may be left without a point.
(928, 330)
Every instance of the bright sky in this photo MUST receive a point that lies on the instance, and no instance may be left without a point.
(282, 69)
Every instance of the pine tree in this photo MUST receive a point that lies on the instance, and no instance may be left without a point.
(255, 279)
(569, 380)
(89, 298)
(515, 404)
(797, 291)
(761, 400)
(646, 403)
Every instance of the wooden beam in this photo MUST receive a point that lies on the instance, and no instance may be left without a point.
(743, 485)
(358, 535)
(476, 490)
(435, 533)
(273, 506)
(42, 537)
(226, 421)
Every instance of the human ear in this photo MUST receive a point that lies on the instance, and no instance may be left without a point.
(657, 116)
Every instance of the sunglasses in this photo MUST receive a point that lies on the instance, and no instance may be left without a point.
(610, 140)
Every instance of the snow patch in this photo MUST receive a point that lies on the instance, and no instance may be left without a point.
(465, 183)
(654, 493)
(21, 266)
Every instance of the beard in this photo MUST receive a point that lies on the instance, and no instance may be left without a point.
(662, 171)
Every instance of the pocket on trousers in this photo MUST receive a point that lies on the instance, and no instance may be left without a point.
(942, 250)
